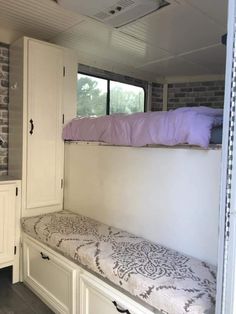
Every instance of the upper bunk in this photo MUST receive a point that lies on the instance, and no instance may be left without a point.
(197, 126)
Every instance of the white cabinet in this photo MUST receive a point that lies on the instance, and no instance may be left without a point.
(36, 114)
(50, 277)
(9, 225)
(7, 222)
(95, 301)
(97, 297)
(67, 288)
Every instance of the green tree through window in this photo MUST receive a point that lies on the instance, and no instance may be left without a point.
(91, 100)
(92, 97)
(125, 98)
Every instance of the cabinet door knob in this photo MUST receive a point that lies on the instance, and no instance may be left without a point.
(119, 309)
(31, 126)
(44, 256)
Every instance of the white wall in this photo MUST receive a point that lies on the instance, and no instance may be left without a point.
(167, 195)
(7, 35)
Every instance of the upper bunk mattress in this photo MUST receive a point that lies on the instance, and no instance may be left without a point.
(181, 126)
(163, 278)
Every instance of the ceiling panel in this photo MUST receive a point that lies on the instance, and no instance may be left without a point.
(175, 66)
(42, 19)
(180, 39)
(108, 41)
(105, 59)
(91, 37)
(213, 58)
(99, 46)
(177, 29)
(217, 9)
(137, 48)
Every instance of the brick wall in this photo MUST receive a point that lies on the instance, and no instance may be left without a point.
(157, 97)
(209, 94)
(4, 101)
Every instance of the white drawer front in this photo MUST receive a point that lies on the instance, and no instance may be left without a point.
(96, 297)
(95, 302)
(49, 277)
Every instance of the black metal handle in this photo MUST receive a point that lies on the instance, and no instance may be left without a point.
(31, 126)
(44, 256)
(120, 310)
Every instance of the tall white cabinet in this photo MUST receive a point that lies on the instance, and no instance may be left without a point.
(44, 117)
(40, 102)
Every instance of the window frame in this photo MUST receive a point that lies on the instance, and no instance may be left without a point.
(108, 90)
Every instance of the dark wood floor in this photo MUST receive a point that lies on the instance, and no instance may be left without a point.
(17, 298)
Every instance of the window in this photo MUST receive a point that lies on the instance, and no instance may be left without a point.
(98, 96)
(91, 96)
(126, 98)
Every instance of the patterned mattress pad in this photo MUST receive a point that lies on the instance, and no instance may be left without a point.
(169, 281)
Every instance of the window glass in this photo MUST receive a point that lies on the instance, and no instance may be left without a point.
(126, 98)
(91, 95)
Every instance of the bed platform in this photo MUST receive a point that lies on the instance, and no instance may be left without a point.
(164, 279)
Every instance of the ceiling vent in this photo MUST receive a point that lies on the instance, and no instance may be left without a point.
(116, 13)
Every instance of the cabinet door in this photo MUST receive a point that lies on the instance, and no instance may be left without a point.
(96, 297)
(7, 222)
(50, 277)
(95, 302)
(44, 145)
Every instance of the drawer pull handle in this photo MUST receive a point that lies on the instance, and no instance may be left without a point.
(119, 309)
(44, 256)
(31, 126)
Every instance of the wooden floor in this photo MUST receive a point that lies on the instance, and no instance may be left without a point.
(17, 298)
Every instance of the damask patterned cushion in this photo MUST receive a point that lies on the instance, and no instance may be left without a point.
(165, 279)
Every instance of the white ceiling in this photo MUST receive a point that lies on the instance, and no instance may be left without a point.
(182, 39)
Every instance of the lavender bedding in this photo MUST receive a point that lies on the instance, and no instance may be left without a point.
(181, 126)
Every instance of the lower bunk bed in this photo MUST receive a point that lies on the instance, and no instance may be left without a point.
(79, 265)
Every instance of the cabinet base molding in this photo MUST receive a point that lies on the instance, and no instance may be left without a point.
(15, 270)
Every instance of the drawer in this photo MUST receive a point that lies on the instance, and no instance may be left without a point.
(50, 277)
(97, 297)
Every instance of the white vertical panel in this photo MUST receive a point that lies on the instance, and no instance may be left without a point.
(226, 277)
(167, 195)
